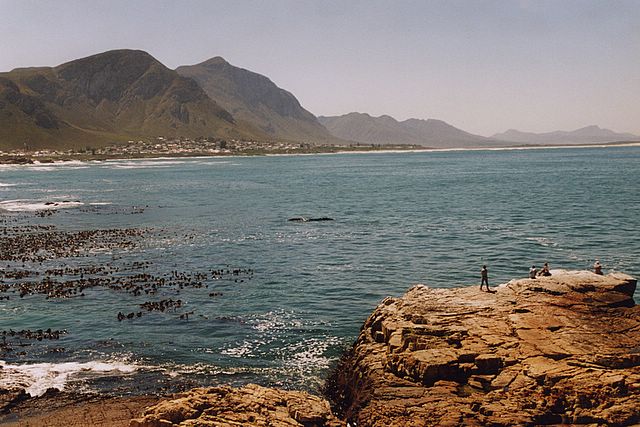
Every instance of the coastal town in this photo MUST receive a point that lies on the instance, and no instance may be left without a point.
(186, 147)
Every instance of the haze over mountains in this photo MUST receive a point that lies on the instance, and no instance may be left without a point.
(366, 129)
(585, 135)
(127, 94)
(254, 99)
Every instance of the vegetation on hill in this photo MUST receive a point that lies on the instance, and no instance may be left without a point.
(109, 97)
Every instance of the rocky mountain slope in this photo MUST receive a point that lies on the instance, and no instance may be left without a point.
(363, 128)
(253, 98)
(585, 135)
(106, 97)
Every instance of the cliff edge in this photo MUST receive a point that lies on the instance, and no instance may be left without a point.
(551, 350)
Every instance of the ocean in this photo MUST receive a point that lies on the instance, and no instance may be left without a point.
(263, 299)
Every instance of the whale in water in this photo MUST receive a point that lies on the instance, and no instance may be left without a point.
(305, 219)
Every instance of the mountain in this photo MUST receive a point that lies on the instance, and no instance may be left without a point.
(108, 97)
(362, 127)
(585, 135)
(253, 98)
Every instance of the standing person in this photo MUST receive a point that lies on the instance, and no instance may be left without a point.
(533, 272)
(597, 267)
(484, 274)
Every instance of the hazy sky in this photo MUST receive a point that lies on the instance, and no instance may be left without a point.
(483, 66)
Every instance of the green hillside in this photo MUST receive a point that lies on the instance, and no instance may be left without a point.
(106, 98)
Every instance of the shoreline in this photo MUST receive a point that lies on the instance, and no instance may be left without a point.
(591, 154)
(27, 159)
(510, 148)
(454, 369)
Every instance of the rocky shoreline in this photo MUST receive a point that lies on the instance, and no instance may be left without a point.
(554, 350)
(563, 349)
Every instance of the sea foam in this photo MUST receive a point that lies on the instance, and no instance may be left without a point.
(36, 378)
(141, 164)
(30, 205)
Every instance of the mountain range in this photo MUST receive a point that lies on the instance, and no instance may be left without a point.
(255, 100)
(112, 96)
(125, 94)
(363, 128)
(585, 135)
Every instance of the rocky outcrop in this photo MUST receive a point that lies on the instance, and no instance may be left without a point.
(251, 405)
(55, 409)
(558, 349)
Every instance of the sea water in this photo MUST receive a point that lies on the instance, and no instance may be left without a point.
(398, 219)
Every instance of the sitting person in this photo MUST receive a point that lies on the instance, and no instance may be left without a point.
(533, 272)
(597, 268)
(544, 271)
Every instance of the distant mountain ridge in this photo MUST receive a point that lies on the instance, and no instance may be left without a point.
(586, 135)
(127, 94)
(363, 128)
(255, 99)
(106, 97)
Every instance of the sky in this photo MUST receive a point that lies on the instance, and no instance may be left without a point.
(482, 66)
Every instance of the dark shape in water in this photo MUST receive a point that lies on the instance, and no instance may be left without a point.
(304, 219)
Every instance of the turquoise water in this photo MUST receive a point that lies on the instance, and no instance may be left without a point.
(399, 219)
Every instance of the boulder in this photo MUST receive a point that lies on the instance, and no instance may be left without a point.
(251, 405)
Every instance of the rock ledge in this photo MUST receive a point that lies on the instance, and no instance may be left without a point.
(251, 405)
(553, 350)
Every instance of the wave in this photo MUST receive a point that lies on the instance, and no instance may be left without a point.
(162, 162)
(63, 163)
(36, 378)
(141, 164)
(47, 167)
(30, 205)
(543, 241)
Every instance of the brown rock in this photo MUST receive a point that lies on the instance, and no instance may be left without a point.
(10, 398)
(552, 350)
(56, 409)
(251, 405)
